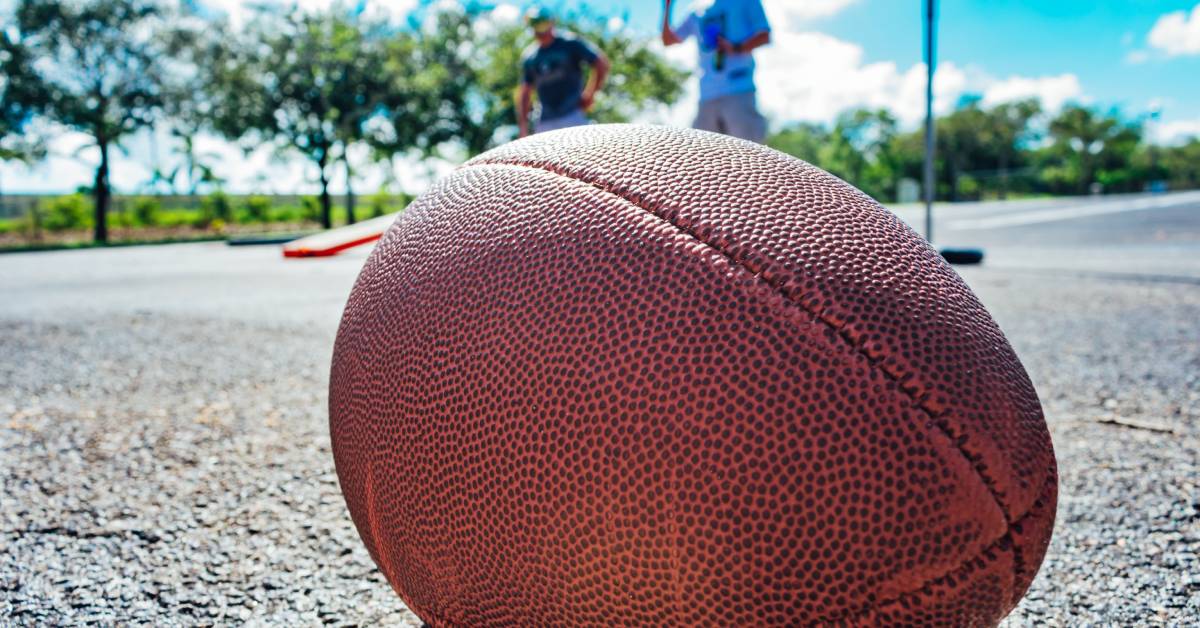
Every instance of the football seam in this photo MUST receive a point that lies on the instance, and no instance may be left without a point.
(776, 283)
(1004, 543)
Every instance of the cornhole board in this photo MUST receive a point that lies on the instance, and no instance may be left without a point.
(334, 241)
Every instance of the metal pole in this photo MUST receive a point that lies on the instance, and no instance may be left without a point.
(930, 63)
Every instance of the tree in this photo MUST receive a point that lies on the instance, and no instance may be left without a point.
(1181, 164)
(961, 146)
(100, 63)
(307, 82)
(22, 96)
(802, 140)
(357, 106)
(467, 69)
(200, 57)
(860, 150)
(1089, 146)
(1006, 133)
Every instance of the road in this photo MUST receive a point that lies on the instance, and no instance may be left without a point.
(1153, 235)
(1150, 237)
(166, 459)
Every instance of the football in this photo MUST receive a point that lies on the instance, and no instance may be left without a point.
(623, 374)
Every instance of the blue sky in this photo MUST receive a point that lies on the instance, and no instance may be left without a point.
(827, 56)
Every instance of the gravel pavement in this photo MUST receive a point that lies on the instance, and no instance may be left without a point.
(164, 454)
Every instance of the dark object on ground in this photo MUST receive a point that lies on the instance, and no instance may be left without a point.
(963, 256)
(587, 377)
(267, 238)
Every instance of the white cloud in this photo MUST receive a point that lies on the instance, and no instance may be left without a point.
(812, 76)
(501, 16)
(1177, 33)
(70, 163)
(792, 13)
(682, 111)
(1137, 56)
(1175, 132)
(241, 11)
(73, 159)
(806, 75)
(393, 11)
(506, 13)
(1052, 91)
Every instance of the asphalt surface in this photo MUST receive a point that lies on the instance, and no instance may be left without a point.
(164, 455)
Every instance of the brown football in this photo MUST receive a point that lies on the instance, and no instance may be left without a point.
(640, 375)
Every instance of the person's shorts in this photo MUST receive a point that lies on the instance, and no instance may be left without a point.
(733, 114)
(576, 118)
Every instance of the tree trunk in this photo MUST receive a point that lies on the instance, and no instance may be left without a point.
(349, 193)
(101, 195)
(326, 202)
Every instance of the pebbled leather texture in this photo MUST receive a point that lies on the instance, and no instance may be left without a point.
(640, 375)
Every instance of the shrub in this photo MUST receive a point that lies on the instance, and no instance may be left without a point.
(384, 203)
(257, 208)
(379, 203)
(146, 210)
(68, 212)
(10, 226)
(214, 207)
(312, 208)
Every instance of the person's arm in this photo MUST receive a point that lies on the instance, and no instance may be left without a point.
(600, 68)
(669, 36)
(756, 40)
(756, 18)
(524, 104)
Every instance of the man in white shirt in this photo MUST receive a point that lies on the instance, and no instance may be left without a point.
(726, 31)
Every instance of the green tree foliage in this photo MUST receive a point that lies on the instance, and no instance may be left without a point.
(1089, 147)
(201, 57)
(961, 147)
(257, 208)
(1006, 131)
(66, 212)
(861, 148)
(146, 210)
(306, 82)
(215, 207)
(803, 140)
(465, 70)
(1178, 166)
(993, 151)
(22, 95)
(100, 64)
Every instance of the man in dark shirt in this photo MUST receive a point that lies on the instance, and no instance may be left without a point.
(554, 66)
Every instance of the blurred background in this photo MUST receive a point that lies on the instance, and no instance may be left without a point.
(144, 120)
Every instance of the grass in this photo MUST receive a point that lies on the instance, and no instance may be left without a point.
(142, 220)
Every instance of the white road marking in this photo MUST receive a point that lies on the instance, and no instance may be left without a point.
(1074, 211)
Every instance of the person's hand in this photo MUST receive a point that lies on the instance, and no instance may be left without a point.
(586, 99)
(725, 46)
